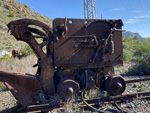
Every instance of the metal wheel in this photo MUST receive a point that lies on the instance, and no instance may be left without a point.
(115, 85)
(68, 88)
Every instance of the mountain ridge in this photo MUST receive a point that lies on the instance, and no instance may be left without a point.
(11, 10)
(132, 34)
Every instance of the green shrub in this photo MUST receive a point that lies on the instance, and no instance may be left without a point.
(3, 87)
(6, 57)
(26, 51)
(127, 55)
(11, 14)
(1, 26)
(140, 50)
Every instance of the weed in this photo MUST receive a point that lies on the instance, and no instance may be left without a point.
(76, 108)
(3, 87)
(143, 89)
(71, 107)
(6, 58)
(41, 98)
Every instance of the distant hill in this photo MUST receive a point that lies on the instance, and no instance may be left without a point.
(12, 10)
(131, 34)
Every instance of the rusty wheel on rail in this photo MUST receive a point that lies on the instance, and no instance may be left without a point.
(115, 85)
(68, 88)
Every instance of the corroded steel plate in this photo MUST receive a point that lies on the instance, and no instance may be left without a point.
(77, 48)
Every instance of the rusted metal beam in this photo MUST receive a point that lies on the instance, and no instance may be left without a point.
(23, 86)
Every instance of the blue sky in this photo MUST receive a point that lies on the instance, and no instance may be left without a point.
(134, 13)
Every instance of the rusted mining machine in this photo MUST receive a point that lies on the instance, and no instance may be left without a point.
(80, 54)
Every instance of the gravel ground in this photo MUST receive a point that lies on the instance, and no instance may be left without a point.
(8, 103)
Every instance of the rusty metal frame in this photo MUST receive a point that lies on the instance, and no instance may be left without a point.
(76, 54)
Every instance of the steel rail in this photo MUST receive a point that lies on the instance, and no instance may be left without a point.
(44, 107)
(109, 99)
(137, 80)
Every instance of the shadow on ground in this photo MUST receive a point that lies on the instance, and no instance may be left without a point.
(15, 109)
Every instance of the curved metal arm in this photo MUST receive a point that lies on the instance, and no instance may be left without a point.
(21, 31)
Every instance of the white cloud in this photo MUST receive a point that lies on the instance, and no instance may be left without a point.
(136, 19)
(117, 9)
(138, 11)
(142, 16)
(131, 21)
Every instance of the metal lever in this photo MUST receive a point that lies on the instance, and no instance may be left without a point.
(65, 22)
(119, 30)
(63, 29)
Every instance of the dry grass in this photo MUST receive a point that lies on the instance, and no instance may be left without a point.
(71, 106)
(93, 93)
(20, 65)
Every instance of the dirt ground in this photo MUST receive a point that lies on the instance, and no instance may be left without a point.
(7, 102)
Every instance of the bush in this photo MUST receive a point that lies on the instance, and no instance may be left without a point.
(26, 51)
(6, 57)
(3, 87)
(1, 26)
(11, 14)
(127, 55)
(140, 50)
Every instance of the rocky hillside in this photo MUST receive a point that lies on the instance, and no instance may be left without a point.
(12, 10)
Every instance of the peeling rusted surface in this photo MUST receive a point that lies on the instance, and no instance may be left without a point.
(88, 43)
(23, 86)
(22, 31)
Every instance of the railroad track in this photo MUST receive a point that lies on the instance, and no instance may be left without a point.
(96, 101)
